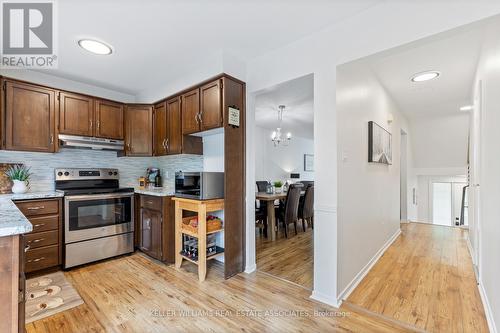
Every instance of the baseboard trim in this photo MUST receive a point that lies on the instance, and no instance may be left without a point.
(250, 268)
(487, 309)
(326, 299)
(359, 277)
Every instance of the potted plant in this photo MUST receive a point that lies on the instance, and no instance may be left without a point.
(278, 186)
(20, 175)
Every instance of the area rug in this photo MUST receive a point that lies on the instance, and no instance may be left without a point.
(49, 294)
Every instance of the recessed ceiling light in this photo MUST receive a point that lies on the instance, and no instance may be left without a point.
(467, 108)
(425, 76)
(95, 46)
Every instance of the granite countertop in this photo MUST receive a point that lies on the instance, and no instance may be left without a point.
(159, 192)
(12, 221)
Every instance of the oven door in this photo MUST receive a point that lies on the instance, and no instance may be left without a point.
(93, 216)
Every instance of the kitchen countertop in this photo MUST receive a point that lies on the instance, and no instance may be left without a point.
(159, 192)
(12, 221)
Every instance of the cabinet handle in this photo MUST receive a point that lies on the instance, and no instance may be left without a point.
(200, 116)
(36, 208)
(98, 124)
(196, 118)
(37, 259)
(38, 225)
(149, 202)
(36, 240)
(164, 144)
(168, 144)
(26, 248)
(91, 124)
(51, 138)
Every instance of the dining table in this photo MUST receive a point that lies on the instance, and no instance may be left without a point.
(270, 198)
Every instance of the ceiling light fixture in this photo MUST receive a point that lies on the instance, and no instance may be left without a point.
(467, 108)
(95, 47)
(425, 76)
(277, 136)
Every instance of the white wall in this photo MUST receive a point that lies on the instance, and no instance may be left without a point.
(60, 83)
(276, 163)
(383, 26)
(441, 142)
(369, 193)
(486, 137)
(213, 152)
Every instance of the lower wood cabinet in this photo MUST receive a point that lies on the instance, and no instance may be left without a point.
(155, 227)
(43, 246)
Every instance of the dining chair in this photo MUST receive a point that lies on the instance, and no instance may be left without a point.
(289, 213)
(262, 185)
(306, 212)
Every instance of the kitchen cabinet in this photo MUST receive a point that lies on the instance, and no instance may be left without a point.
(138, 130)
(156, 227)
(150, 233)
(202, 108)
(160, 136)
(210, 105)
(108, 120)
(29, 117)
(174, 128)
(190, 109)
(76, 114)
(44, 243)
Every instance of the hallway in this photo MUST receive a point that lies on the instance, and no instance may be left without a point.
(425, 279)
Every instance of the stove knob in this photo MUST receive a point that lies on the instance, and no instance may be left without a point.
(115, 173)
(59, 173)
(66, 173)
(110, 173)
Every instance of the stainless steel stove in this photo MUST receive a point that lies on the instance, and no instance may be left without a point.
(98, 215)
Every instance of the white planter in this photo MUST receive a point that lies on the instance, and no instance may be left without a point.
(277, 189)
(19, 187)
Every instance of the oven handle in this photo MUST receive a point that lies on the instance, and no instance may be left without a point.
(97, 196)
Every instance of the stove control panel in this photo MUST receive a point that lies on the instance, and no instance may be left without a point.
(82, 174)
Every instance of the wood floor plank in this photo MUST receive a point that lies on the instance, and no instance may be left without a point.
(138, 294)
(425, 279)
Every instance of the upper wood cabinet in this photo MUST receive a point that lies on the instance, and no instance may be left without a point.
(138, 130)
(29, 117)
(210, 105)
(160, 135)
(190, 111)
(76, 114)
(174, 128)
(108, 120)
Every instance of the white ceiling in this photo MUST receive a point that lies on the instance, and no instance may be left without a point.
(157, 41)
(298, 97)
(454, 54)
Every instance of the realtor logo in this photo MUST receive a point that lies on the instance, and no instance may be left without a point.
(28, 34)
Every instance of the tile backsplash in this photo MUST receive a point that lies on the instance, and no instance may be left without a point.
(131, 168)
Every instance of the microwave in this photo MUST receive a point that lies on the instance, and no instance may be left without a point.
(199, 185)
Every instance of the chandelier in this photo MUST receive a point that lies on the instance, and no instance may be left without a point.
(278, 138)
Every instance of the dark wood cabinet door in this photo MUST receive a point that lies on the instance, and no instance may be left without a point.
(76, 114)
(174, 128)
(138, 130)
(29, 117)
(160, 129)
(150, 235)
(211, 105)
(108, 120)
(190, 105)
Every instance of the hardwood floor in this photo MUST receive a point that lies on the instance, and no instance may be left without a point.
(425, 279)
(287, 258)
(137, 294)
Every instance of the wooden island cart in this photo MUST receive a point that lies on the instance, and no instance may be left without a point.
(201, 207)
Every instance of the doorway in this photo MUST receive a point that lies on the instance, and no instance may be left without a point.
(446, 204)
(284, 159)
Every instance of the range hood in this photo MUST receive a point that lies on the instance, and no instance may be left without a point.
(74, 141)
